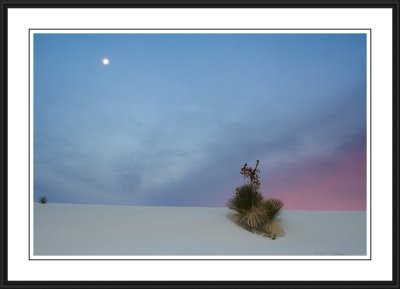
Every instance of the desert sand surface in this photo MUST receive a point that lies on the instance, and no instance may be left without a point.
(105, 230)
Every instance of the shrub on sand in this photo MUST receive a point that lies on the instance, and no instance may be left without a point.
(43, 200)
(252, 212)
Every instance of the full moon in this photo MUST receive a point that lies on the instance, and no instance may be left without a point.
(106, 61)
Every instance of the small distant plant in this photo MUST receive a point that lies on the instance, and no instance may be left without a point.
(252, 211)
(43, 200)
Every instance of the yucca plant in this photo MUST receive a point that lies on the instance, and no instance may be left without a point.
(252, 212)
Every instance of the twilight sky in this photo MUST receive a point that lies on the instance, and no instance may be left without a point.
(171, 118)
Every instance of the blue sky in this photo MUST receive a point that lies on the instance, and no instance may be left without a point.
(172, 118)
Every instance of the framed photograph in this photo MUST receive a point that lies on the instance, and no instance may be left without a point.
(183, 144)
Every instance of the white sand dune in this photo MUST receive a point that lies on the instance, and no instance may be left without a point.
(97, 230)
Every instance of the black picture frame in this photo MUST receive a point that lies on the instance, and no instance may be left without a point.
(5, 282)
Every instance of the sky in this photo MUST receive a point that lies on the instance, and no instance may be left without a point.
(172, 118)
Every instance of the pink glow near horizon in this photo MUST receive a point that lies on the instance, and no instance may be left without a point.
(339, 184)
